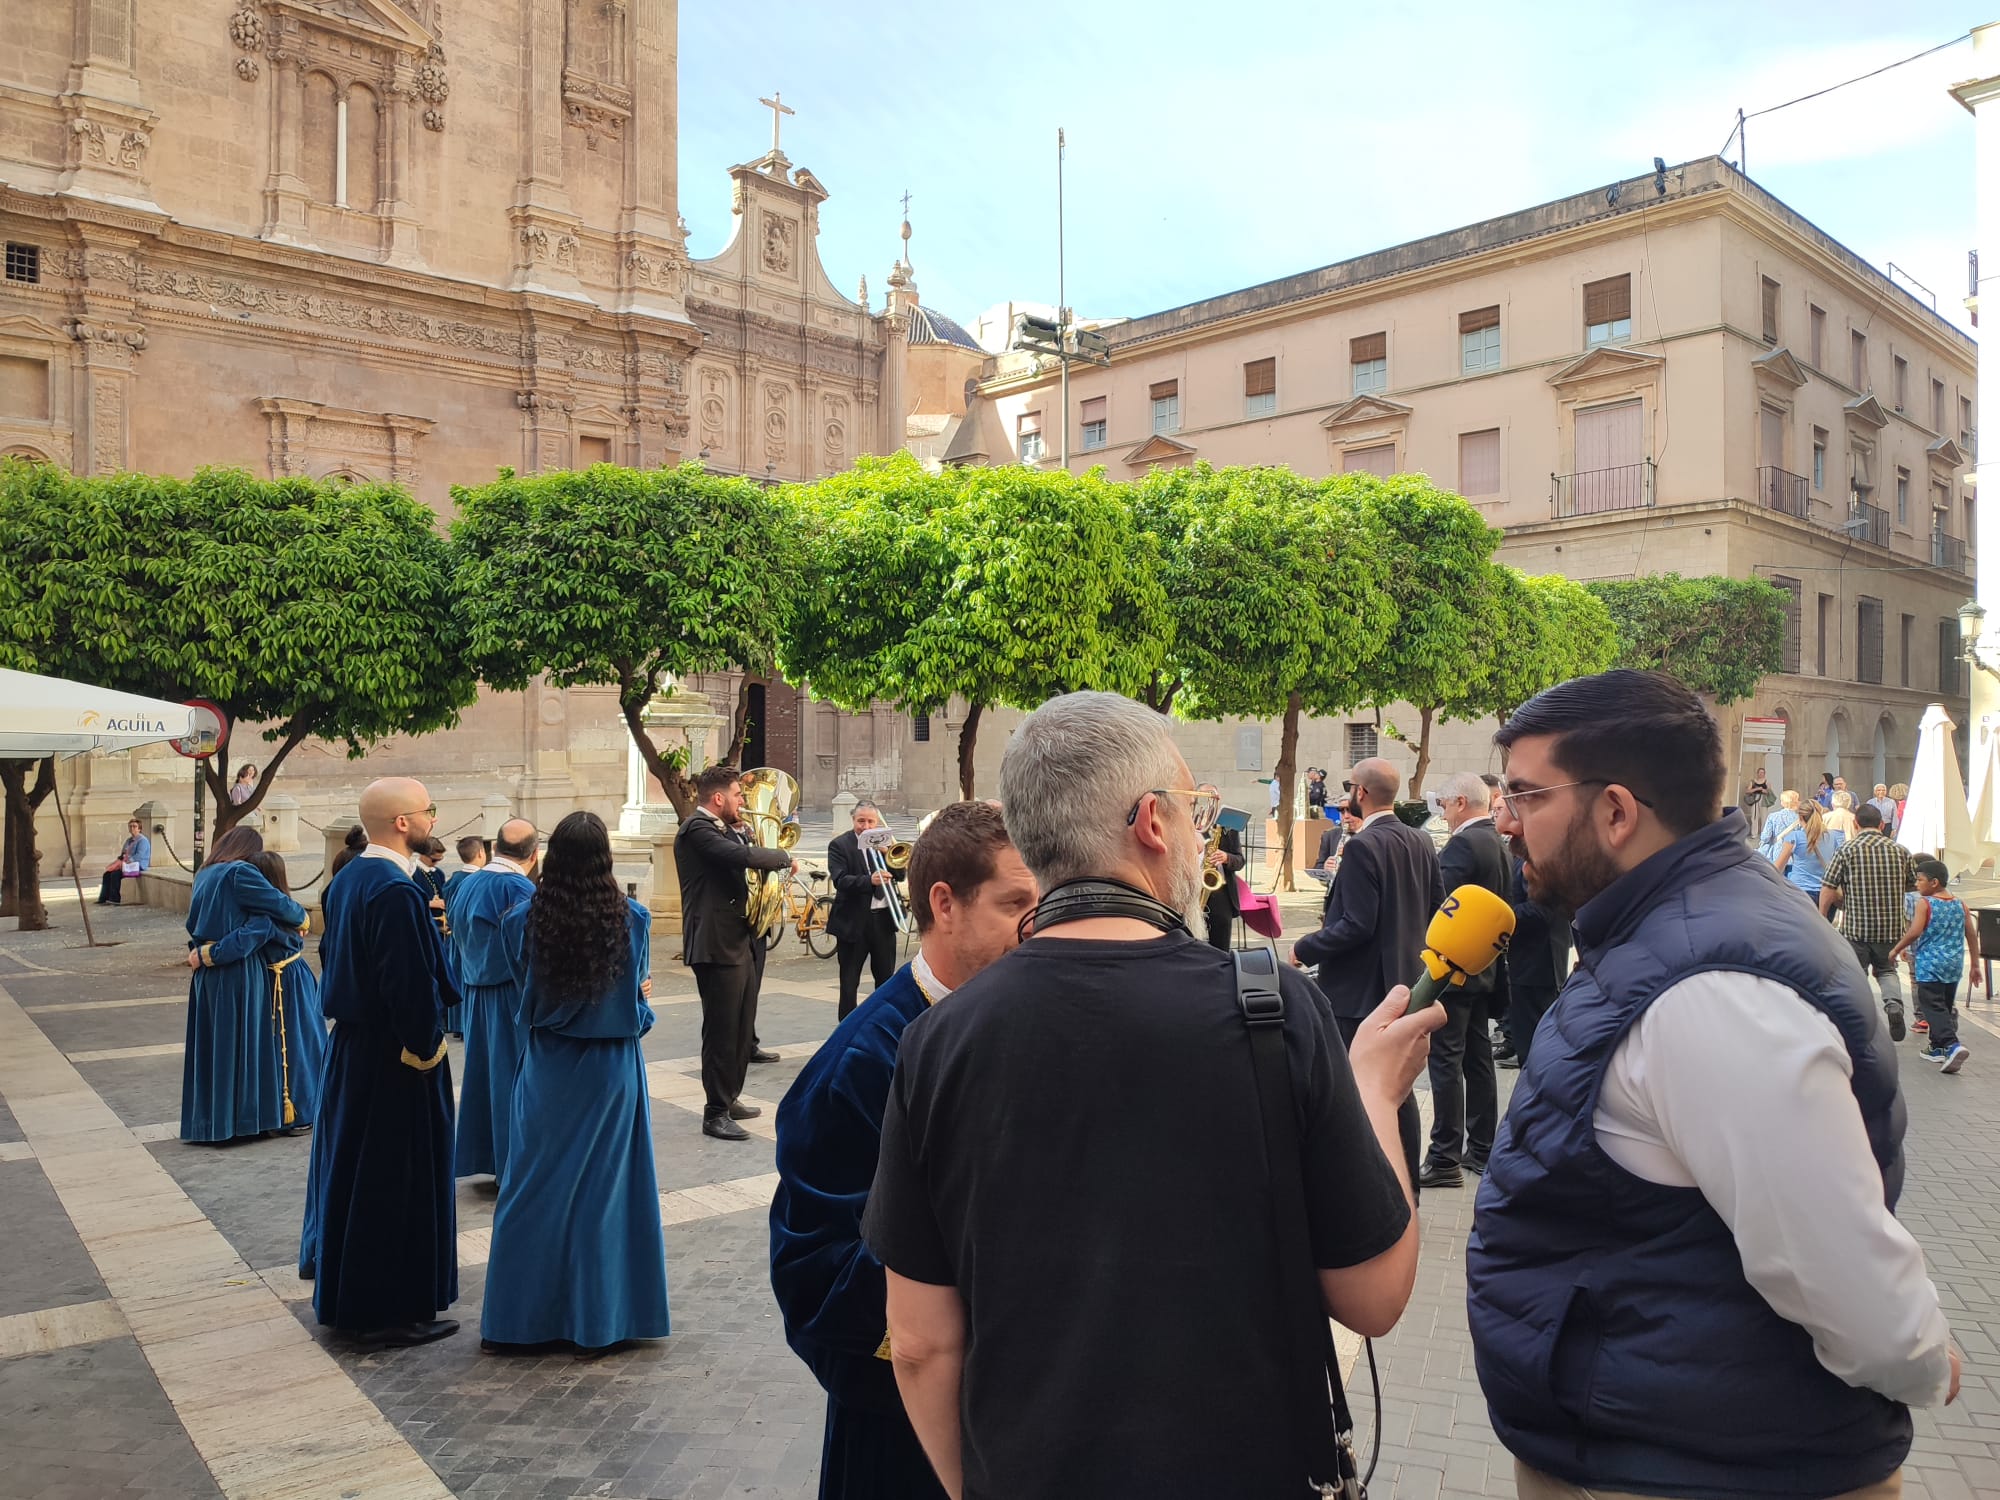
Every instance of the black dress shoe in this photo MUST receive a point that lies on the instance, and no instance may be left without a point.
(1440, 1175)
(1476, 1168)
(762, 1055)
(741, 1111)
(722, 1128)
(1509, 1061)
(409, 1335)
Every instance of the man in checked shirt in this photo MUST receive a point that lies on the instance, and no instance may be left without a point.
(1867, 881)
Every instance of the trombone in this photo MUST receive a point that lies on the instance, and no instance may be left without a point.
(885, 854)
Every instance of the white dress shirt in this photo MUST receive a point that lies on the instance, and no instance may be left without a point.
(1734, 1084)
(404, 862)
(928, 984)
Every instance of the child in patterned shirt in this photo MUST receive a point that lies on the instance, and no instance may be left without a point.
(1940, 938)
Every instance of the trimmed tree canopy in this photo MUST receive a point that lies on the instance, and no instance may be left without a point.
(1720, 636)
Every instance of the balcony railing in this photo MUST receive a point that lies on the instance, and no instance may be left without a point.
(1785, 492)
(1868, 523)
(1948, 552)
(1596, 491)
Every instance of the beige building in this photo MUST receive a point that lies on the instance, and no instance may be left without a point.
(1677, 373)
(401, 240)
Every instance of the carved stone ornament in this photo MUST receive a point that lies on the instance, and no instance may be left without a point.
(246, 69)
(778, 238)
(246, 29)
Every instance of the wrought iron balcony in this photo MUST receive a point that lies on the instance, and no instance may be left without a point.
(1868, 523)
(1948, 552)
(1785, 492)
(1596, 491)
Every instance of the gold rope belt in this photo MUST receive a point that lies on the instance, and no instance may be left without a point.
(278, 1018)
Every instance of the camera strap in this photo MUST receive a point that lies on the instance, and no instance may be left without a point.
(1316, 1384)
(1078, 900)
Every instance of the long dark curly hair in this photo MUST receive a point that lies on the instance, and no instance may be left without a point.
(578, 940)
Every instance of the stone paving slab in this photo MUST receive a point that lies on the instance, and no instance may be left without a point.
(42, 1262)
(90, 1422)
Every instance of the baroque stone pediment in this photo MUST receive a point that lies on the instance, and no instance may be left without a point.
(1611, 359)
(380, 21)
(1945, 451)
(1867, 410)
(1160, 449)
(1779, 365)
(1359, 409)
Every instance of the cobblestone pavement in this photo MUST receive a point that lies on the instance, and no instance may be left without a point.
(117, 1380)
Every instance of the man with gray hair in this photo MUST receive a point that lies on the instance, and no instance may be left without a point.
(1073, 1159)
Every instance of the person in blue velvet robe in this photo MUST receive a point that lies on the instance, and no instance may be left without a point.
(968, 893)
(577, 1251)
(388, 1251)
(495, 1035)
(232, 1075)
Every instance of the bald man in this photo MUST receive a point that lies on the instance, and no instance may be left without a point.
(387, 1255)
(1372, 935)
(496, 1033)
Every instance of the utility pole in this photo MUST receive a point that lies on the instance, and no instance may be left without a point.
(1059, 336)
(1062, 296)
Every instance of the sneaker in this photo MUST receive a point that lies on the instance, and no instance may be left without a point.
(1932, 1054)
(1920, 1026)
(1895, 1010)
(1954, 1058)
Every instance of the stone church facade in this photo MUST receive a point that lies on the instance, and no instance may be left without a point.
(415, 240)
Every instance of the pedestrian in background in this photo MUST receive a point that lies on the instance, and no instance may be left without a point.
(1804, 851)
(1867, 881)
(1941, 937)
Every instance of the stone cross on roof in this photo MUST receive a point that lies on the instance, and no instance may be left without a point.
(778, 108)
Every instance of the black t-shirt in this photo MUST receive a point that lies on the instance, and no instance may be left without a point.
(1073, 1141)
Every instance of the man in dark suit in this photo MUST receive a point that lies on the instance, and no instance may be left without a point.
(859, 923)
(712, 853)
(1224, 906)
(1465, 1097)
(1372, 937)
(1537, 965)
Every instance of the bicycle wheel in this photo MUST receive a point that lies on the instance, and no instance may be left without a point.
(817, 937)
(775, 936)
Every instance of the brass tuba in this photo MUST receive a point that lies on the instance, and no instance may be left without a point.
(769, 796)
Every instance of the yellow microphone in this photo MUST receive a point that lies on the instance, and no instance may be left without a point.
(1466, 938)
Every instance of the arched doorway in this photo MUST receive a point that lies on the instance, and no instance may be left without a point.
(1831, 760)
(1879, 767)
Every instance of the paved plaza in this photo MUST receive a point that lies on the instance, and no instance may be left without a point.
(155, 1338)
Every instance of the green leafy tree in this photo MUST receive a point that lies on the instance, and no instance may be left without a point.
(1537, 632)
(1720, 636)
(317, 609)
(622, 576)
(1438, 554)
(998, 586)
(1276, 594)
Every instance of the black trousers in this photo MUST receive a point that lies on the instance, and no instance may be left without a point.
(1465, 1095)
(1221, 924)
(1526, 1005)
(110, 888)
(1409, 1124)
(876, 947)
(728, 1027)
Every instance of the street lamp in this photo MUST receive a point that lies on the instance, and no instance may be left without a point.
(1971, 626)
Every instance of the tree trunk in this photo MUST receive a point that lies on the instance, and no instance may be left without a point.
(1160, 697)
(1423, 753)
(215, 773)
(672, 777)
(968, 739)
(1288, 765)
(740, 730)
(22, 860)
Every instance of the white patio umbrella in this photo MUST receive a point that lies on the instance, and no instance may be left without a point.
(42, 716)
(1935, 820)
(1985, 799)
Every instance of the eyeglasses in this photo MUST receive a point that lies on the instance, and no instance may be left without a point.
(1205, 809)
(430, 812)
(1510, 797)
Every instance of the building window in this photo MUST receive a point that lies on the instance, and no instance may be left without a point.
(1860, 461)
(1479, 462)
(1479, 340)
(1794, 597)
(1826, 627)
(1949, 662)
(1909, 635)
(1902, 497)
(1167, 406)
(1819, 458)
(1378, 459)
(1369, 356)
(1937, 406)
(1607, 310)
(1867, 640)
(920, 728)
(1094, 426)
(24, 262)
(1901, 370)
(1028, 435)
(1260, 388)
(1857, 359)
(1965, 438)
(592, 450)
(1818, 338)
(1770, 311)
(1362, 743)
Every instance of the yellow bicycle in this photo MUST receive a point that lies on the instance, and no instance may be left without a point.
(806, 909)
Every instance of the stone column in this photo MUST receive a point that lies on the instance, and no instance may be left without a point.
(891, 414)
(285, 195)
(545, 247)
(665, 902)
(282, 836)
(109, 126)
(494, 810)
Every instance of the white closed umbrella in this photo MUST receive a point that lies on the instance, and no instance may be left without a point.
(51, 716)
(1935, 819)
(1984, 800)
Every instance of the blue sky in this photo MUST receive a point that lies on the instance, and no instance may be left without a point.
(1212, 148)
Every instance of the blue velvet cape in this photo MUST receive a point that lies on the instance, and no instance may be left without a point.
(831, 1291)
(495, 1035)
(232, 1078)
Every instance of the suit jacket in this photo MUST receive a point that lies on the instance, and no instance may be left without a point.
(1227, 899)
(1475, 855)
(1381, 903)
(712, 860)
(853, 888)
(1538, 957)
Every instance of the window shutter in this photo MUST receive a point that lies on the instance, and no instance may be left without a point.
(1369, 346)
(1607, 301)
(1093, 409)
(1260, 377)
(1030, 421)
(1479, 320)
(1378, 460)
(1166, 390)
(1479, 462)
(1770, 311)
(1793, 607)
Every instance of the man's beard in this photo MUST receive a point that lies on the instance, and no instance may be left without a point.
(1184, 892)
(1572, 873)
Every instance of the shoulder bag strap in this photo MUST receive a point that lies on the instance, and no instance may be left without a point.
(1329, 1445)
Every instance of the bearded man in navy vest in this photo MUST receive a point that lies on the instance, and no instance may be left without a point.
(1685, 1276)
